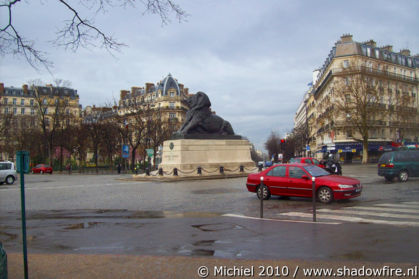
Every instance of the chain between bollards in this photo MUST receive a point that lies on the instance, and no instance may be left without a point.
(313, 179)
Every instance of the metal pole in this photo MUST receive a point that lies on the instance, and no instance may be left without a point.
(22, 201)
(261, 197)
(313, 179)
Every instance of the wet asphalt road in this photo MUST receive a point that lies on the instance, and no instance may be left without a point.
(90, 214)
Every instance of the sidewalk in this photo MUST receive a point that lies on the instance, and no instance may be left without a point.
(72, 266)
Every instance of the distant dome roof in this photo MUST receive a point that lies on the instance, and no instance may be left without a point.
(169, 82)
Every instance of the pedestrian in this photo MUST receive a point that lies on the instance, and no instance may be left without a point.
(119, 168)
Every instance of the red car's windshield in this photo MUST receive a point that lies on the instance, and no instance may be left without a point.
(316, 171)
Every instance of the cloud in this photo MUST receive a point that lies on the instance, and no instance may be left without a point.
(253, 58)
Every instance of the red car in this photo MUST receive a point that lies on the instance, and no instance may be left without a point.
(42, 168)
(295, 180)
(306, 160)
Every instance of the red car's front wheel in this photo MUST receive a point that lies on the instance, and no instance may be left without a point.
(265, 190)
(325, 195)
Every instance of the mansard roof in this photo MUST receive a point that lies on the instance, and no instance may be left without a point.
(167, 83)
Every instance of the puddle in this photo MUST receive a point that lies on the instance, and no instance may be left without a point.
(216, 191)
(124, 214)
(204, 243)
(84, 225)
(10, 236)
(217, 227)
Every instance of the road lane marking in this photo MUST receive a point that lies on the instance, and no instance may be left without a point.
(351, 219)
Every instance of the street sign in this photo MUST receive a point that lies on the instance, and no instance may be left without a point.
(150, 152)
(125, 151)
(22, 155)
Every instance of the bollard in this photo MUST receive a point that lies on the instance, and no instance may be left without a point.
(261, 197)
(222, 170)
(175, 171)
(160, 171)
(241, 168)
(314, 197)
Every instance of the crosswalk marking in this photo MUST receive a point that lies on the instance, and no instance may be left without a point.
(369, 213)
(377, 208)
(399, 205)
(398, 214)
(351, 219)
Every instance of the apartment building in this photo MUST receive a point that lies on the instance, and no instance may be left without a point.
(23, 108)
(167, 96)
(389, 82)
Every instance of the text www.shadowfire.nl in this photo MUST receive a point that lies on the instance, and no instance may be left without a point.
(262, 271)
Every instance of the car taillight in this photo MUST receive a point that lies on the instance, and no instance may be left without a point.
(391, 165)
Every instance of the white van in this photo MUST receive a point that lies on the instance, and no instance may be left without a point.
(7, 172)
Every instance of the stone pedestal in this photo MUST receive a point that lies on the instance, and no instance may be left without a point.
(210, 154)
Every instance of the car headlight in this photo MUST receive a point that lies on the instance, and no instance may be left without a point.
(344, 186)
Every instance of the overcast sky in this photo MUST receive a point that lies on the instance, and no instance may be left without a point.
(254, 59)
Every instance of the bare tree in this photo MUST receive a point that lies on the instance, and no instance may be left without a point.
(357, 107)
(110, 140)
(79, 29)
(273, 145)
(51, 116)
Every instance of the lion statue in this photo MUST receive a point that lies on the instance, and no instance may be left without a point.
(200, 119)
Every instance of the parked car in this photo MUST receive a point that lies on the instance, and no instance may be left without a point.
(295, 180)
(7, 172)
(42, 168)
(306, 160)
(401, 164)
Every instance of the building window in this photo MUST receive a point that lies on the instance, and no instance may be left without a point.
(6, 110)
(22, 111)
(172, 94)
(31, 102)
(5, 101)
(14, 101)
(22, 102)
(345, 63)
(14, 111)
(32, 111)
(172, 105)
(172, 115)
(44, 101)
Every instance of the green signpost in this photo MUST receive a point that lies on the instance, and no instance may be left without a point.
(22, 160)
(150, 152)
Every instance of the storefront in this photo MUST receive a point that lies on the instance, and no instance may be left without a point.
(349, 152)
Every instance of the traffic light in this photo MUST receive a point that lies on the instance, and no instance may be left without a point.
(282, 141)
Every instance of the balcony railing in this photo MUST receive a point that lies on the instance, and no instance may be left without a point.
(372, 71)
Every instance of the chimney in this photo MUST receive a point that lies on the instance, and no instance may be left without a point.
(405, 52)
(135, 90)
(148, 87)
(1, 88)
(124, 94)
(371, 43)
(388, 48)
(346, 38)
(25, 89)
